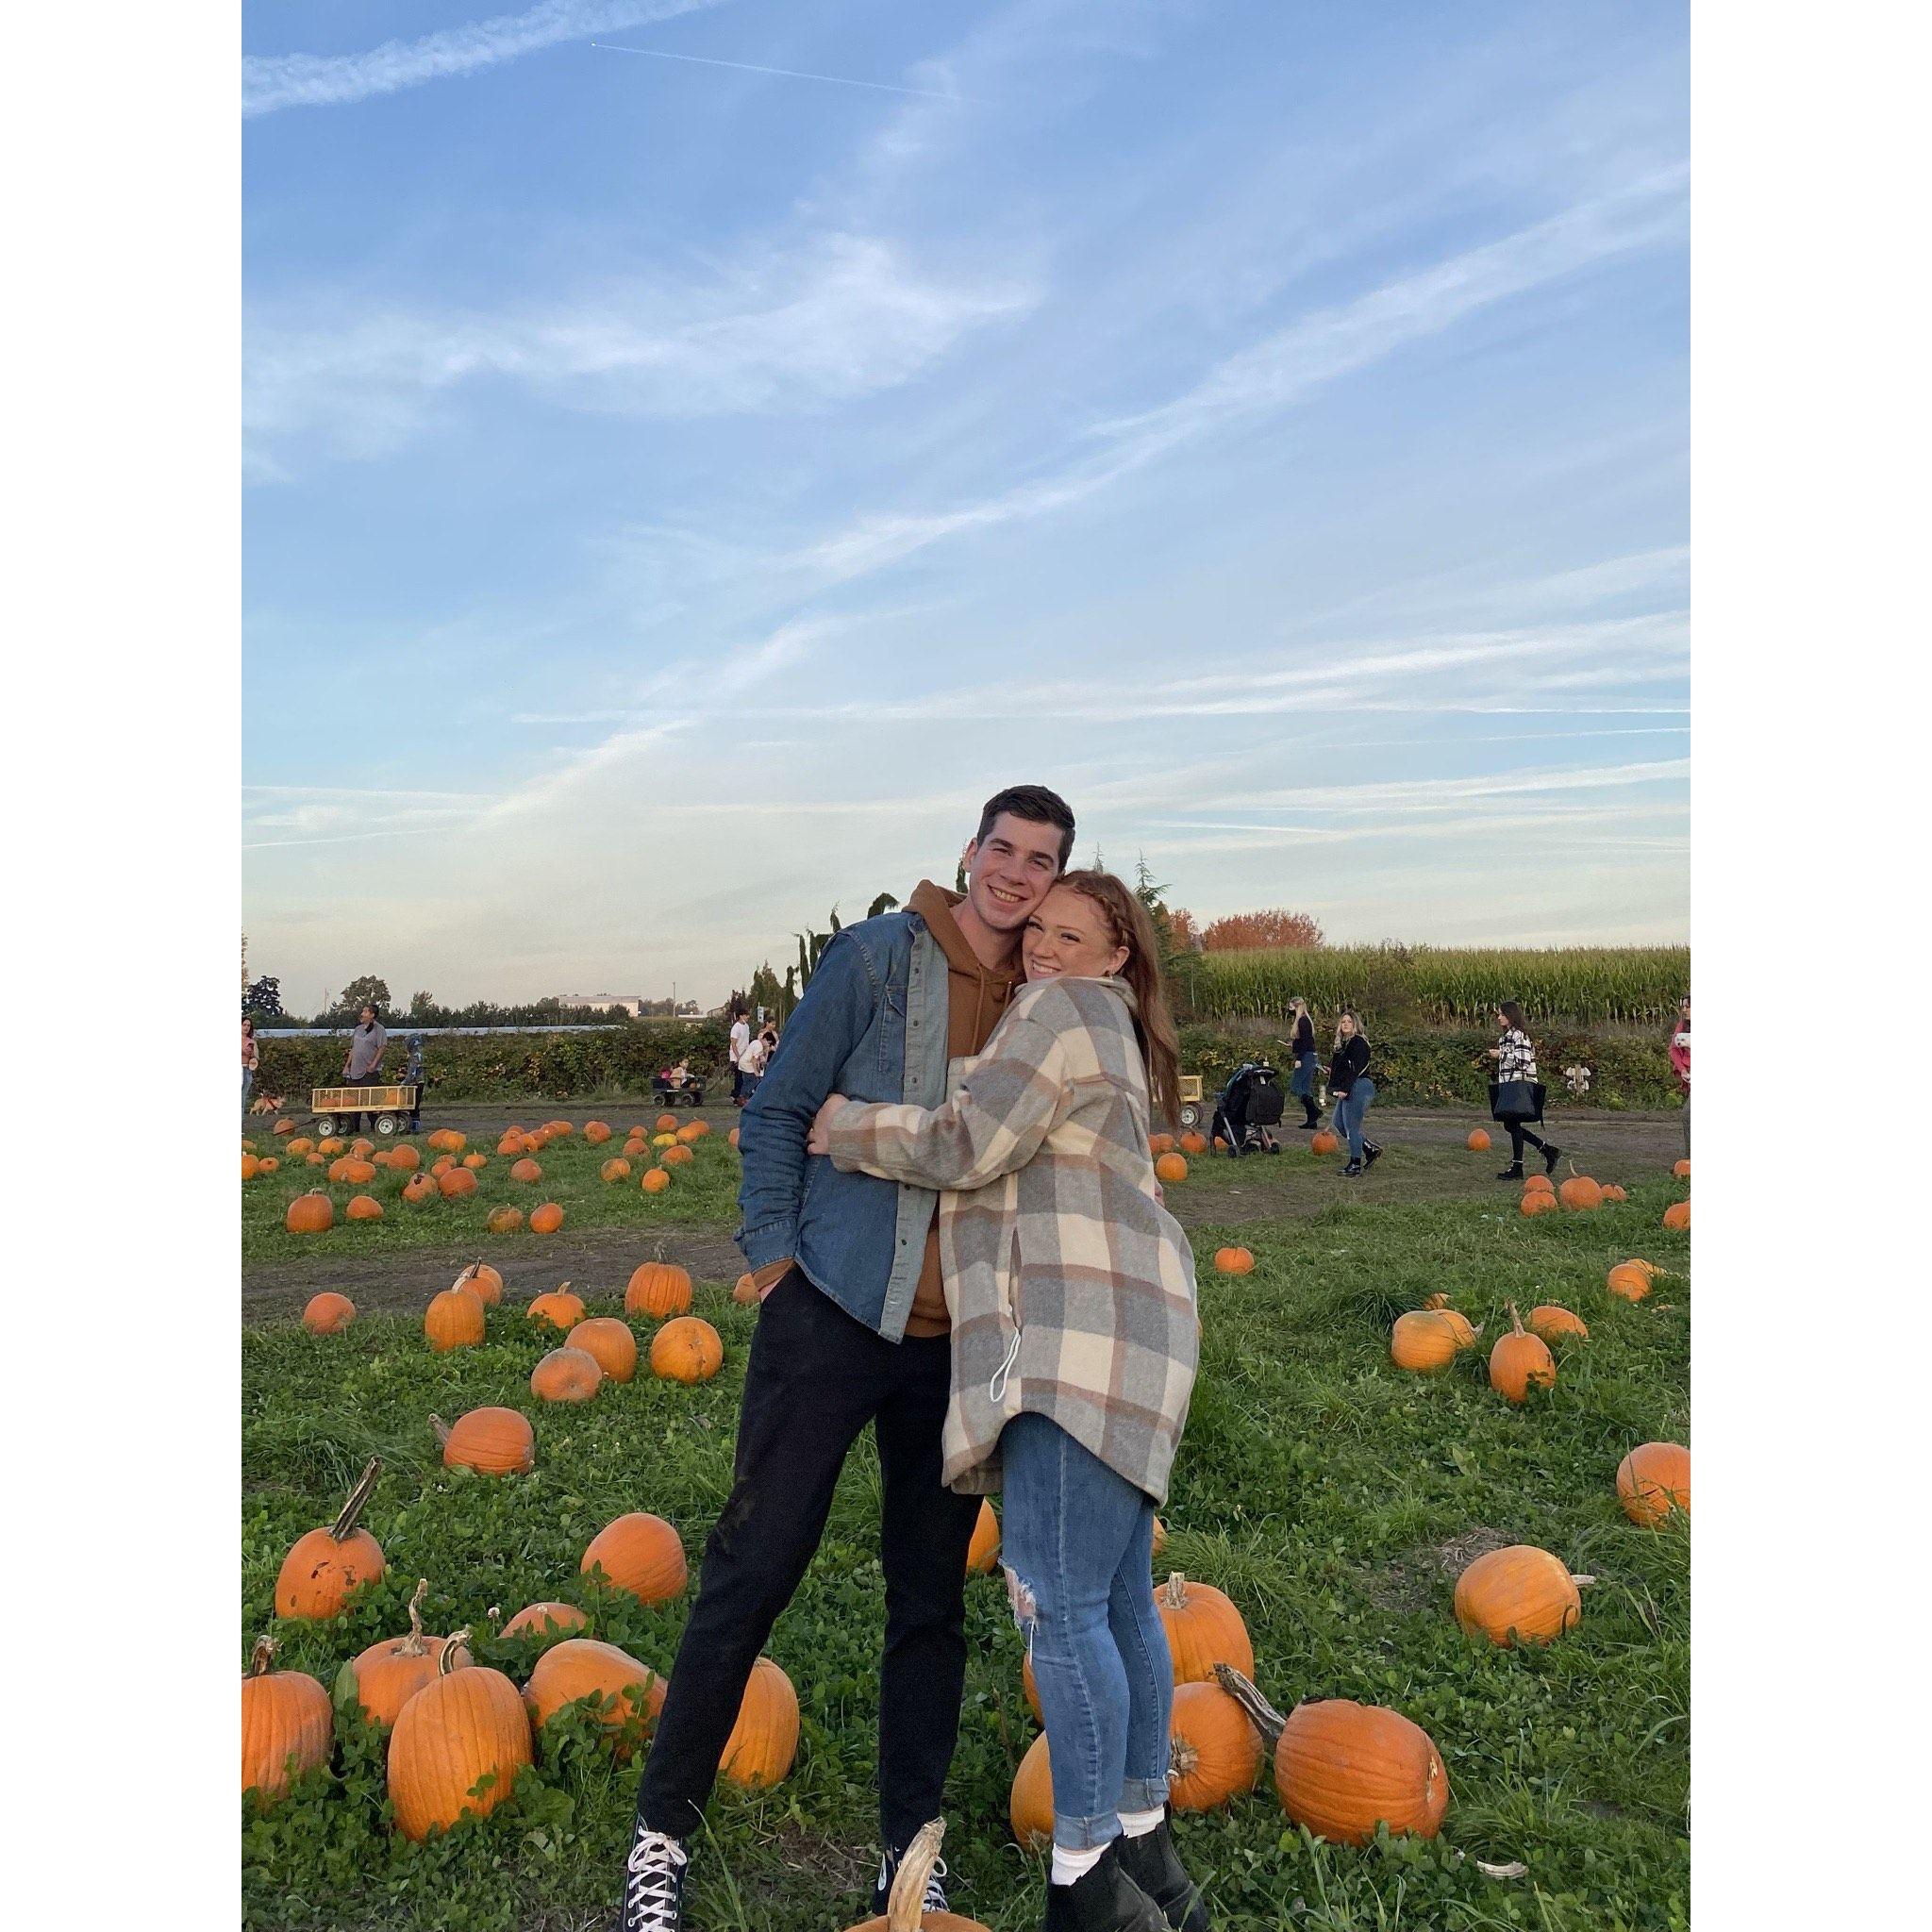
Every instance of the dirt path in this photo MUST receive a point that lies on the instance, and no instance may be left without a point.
(1612, 1145)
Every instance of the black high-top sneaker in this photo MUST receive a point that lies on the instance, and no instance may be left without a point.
(1352, 1172)
(1151, 1862)
(1372, 1152)
(654, 1883)
(934, 1900)
(1104, 1899)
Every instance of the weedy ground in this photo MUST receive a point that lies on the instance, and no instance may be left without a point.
(1332, 1496)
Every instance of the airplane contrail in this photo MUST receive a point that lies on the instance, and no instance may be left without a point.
(787, 72)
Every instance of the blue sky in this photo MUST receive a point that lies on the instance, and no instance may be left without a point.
(677, 495)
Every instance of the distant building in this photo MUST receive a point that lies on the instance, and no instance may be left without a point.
(632, 1003)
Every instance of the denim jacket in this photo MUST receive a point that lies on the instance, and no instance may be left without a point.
(872, 1026)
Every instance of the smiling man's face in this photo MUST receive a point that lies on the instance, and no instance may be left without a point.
(1011, 870)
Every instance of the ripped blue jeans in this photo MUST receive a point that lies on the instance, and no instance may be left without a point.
(1077, 1543)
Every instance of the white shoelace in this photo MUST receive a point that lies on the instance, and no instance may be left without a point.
(651, 1891)
(935, 1899)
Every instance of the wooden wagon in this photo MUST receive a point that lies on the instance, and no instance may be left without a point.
(391, 1105)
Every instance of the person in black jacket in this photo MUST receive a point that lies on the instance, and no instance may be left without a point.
(1307, 1062)
(1515, 1056)
(1353, 1091)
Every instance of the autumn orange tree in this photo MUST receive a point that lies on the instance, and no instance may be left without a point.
(1243, 931)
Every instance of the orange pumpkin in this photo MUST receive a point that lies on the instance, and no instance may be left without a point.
(1551, 1319)
(250, 1167)
(325, 1567)
(656, 1180)
(443, 1164)
(310, 1214)
(384, 1677)
(1653, 1481)
(562, 1309)
(483, 1281)
(567, 1375)
(331, 1148)
(286, 1725)
(686, 1349)
(610, 1342)
(1203, 1629)
(447, 1141)
(1322, 1142)
(733, 1137)
(457, 1185)
(744, 1291)
(493, 1442)
(596, 1132)
(983, 1552)
(364, 1208)
(1193, 1143)
(526, 1170)
(1030, 1807)
(454, 1319)
(1520, 1361)
(420, 1188)
(403, 1159)
(285, 1127)
(1677, 1215)
(1580, 1193)
(692, 1131)
(904, 1904)
(1519, 1595)
(266, 1164)
(1478, 1142)
(615, 1169)
(677, 1156)
(504, 1219)
(1422, 1341)
(1170, 1168)
(764, 1741)
(475, 1161)
(546, 1219)
(1341, 1767)
(658, 1288)
(329, 1313)
(627, 1692)
(466, 1726)
(1160, 1144)
(1539, 1184)
(1682, 1169)
(546, 1620)
(1541, 1202)
(640, 1552)
(1216, 1752)
(1632, 1280)
(667, 1124)
(1234, 1261)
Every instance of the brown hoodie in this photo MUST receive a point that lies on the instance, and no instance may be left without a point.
(976, 997)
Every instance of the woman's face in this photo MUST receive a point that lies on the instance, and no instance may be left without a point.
(369, 1016)
(1068, 937)
(1346, 1026)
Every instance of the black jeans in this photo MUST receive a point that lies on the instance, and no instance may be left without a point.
(815, 1378)
(1519, 1133)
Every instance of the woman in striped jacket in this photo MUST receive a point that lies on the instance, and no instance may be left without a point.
(1515, 1058)
(1075, 1340)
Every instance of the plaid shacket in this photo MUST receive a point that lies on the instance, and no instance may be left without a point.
(1070, 1286)
(1517, 1060)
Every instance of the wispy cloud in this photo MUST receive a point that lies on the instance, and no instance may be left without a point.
(270, 82)
(883, 87)
(827, 324)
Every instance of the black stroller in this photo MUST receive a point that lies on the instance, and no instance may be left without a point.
(1249, 1105)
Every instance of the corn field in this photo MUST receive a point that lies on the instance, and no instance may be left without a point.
(1590, 984)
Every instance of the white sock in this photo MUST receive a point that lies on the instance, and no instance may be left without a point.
(1139, 1824)
(1068, 1866)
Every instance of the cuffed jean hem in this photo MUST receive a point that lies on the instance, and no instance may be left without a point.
(1086, 1834)
(1143, 1793)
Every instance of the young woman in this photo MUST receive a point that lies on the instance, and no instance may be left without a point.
(1307, 1062)
(1074, 1339)
(1353, 1093)
(1515, 1058)
(1680, 1062)
(251, 1059)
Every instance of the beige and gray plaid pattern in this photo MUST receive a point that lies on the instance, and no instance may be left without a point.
(1070, 1286)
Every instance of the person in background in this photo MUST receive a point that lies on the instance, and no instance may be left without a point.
(1680, 1062)
(1353, 1093)
(251, 1059)
(751, 1064)
(741, 1039)
(1307, 1062)
(362, 1064)
(678, 1074)
(412, 1075)
(1515, 1056)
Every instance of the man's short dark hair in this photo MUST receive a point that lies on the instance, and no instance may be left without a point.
(1037, 805)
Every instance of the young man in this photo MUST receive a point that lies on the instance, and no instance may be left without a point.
(853, 1329)
(741, 1039)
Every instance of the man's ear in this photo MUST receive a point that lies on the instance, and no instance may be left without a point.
(967, 857)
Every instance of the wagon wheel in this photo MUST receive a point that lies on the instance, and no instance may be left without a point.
(1191, 1114)
(385, 1123)
(325, 1126)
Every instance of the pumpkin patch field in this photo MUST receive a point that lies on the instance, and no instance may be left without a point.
(1431, 1594)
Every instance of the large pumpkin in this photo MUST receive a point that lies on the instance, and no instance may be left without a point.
(287, 1727)
(1519, 1595)
(545, 1618)
(465, 1727)
(1551, 1319)
(562, 1309)
(1538, 1201)
(1653, 1481)
(596, 1132)
(904, 1904)
(493, 1442)
(615, 1169)
(1580, 1193)
(457, 1185)
(1215, 1754)
(526, 1170)
(1539, 1184)
(325, 1567)
(566, 1374)
(640, 1552)
(1633, 1281)
(1682, 1168)
(365, 1208)
(329, 1313)
(384, 1677)
(1029, 1806)
(546, 1219)
(504, 1219)
(764, 1741)
(611, 1342)
(312, 1213)
(624, 1688)
(1520, 1361)
(656, 1179)
(1204, 1629)
(454, 1319)
(983, 1552)
(483, 1281)
(419, 1186)
(1677, 1215)
(1341, 1767)
(686, 1349)
(1170, 1168)
(403, 1159)
(658, 1288)
(1422, 1340)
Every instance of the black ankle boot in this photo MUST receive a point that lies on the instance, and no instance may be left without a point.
(1151, 1862)
(1314, 1115)
(1512, 1173)
(1101, 1900)
(1550, 1155)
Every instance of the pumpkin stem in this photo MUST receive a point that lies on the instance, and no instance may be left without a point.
(1515, 1320)
(906, 1905)
(1176, 1591)
(445, 1662)
(1262, 1714)
(1581, 1582)
(442, 1428)
(358, 1496)
(412, 1645)
(1183, 1760)
(262, 1657)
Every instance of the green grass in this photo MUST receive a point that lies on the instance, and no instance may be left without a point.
(703, 1192)
(1322, 1488)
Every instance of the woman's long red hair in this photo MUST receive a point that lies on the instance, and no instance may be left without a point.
(1130, 925)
